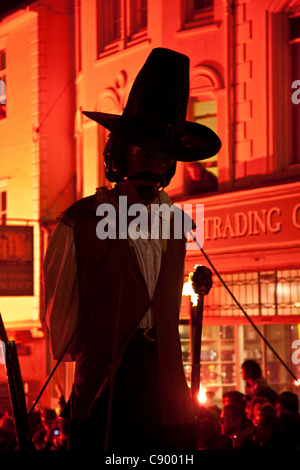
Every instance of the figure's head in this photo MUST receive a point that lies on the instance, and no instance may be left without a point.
(136, 169)
(125, 160)
(154, 119)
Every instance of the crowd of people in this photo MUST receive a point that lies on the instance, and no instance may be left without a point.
(47, 431)
(259, 419)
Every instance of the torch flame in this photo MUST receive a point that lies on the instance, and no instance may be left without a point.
(188, 290)
(202, 395)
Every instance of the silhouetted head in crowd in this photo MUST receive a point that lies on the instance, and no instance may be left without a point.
(251, 370)
(234, 396)
(233, 419)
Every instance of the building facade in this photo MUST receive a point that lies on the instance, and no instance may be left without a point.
(37, 167)
(244, 83)
(244, 75)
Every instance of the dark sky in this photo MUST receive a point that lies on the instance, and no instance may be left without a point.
(11, 5)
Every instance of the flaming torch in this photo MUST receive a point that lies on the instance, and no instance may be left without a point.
(202, 283)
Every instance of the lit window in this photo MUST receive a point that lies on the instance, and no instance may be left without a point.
(263, 293)
(295, 72)
(205, 112)
(2, 84)
(202, 176)
(3, 206)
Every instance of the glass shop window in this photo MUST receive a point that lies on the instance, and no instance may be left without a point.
(3, 98)
(3, 206)
(295, 79)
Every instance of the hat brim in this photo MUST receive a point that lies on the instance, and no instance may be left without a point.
(198, 143)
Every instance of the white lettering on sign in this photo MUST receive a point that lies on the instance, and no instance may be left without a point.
(296, 216)
(240, 224)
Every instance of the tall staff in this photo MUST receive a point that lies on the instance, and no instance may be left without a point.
(17, 395)
(201, 283)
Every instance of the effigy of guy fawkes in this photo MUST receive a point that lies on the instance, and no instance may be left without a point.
(113, 297)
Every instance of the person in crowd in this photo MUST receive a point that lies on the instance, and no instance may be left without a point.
(209, 435)
(8, 423)
(8, 431)
(286, 402)
(47, 430)
(289, 423)
(256, 384)
(266, 431)
(199, 180)
(211, 405)
(236, 429)
(234, 396)
(5, 439)
(293, 396)
(112, 297)
(253, 405)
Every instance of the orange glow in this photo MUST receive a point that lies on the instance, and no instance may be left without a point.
(189, 291)
(202, 395)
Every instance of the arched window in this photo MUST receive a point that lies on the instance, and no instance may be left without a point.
(111, 101)
(202, 177)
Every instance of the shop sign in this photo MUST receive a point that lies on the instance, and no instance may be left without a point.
(16, 260)
(268, 221)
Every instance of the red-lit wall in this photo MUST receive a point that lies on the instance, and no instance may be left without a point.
(37, 157)
(51, 154)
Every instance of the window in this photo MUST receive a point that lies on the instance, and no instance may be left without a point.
(294, 42)
(202, 4)
(2, 84)
(205, 112)
(267, 293)
(3, 206)
(138, 16)
(78, 34)
(197, 12)
(120, 22)
(108, 23)
(202, 177)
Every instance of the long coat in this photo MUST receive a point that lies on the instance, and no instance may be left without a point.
(113, 298)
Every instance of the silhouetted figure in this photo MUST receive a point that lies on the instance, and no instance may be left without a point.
(199, 180)
(209, 435)
(120, 294)
(256, 384)
(266, 431)
(234, 396)
(253, 405)
(236, 429)
(289, 423)
(287, 401)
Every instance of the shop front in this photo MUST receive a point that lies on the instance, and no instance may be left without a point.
(252, 246)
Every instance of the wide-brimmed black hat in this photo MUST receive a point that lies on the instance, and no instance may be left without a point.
(154, 117)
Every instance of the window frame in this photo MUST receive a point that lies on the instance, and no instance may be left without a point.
(3, 84)
(129, 31)
(193, 17)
